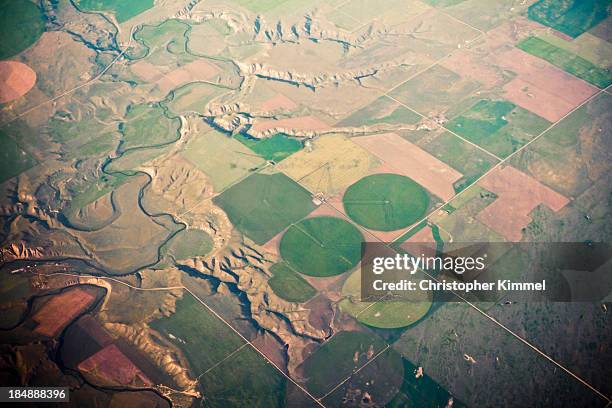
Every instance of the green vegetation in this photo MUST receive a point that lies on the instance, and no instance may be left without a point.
(567, 61)
(188, 244)
(104, 185)
(500, 127)
(147, 126)
(335, 359)
(385, 202)
(405, 236)
(193, 97)
(243, 380)
(461, 156)
(322, 246)
(13, 159)
(289, 285)
(382, 110)
(572, 17)
(277, 147)
(164, 43)
(21, 25)
(203, 337)
(124, 10)
(129, 160)
(223, 159)
(261, 206)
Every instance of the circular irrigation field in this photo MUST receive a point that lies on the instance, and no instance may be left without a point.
(386, 314)
(322, 246)
(385, 202)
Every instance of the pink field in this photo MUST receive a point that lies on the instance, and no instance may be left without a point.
(167, 80)
(518, 194)
(277, 102)
(112, 365)
(412, 161)
(60, 310)
(16, 79)
(541, 87)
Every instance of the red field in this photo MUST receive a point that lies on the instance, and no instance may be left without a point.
(518, 194)
(16, 79)
(60, 310)
(113, 366)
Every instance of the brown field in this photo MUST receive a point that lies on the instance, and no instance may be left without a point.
(540, 87)
(277, 102)
(423, 242)
(467, 64)
(168, 80)
(60, 310)
(16, 79)
(411, 161)
(518, 194)
(113, 366)
(299, 123)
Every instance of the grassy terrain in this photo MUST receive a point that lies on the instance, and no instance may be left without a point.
(261, 206)
(104, 185)
(13, 159)
(567, 61)
(436, 90)
(259, 6)
(500, 127)
(134, 158)
(382, 110)
(289, 285)
(322, 246)
(193, 97)
(385, 202)
(223, 159)
(147, 126)
(21, 25)
(203, 338)
(572, 17)
(124, 10)
(461, 156)
(246, 380)
(188, 244)
(277, 147)
(164, 43)
(334, 360)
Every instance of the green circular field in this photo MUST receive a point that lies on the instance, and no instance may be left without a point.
(322, 246)
(21, 25)
(385, 202)
(384, 314)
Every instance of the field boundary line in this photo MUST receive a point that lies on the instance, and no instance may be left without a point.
(218, 363)
(446, 129)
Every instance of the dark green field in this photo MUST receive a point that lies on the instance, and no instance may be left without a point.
(261, 206)
(124, 10)
(567, 61)
(385, 202)
(322, 246)
(203, 338)
(246, 380)
(274, 148)
(13, 159)
(289, 285)
(572, 17)
(335, 359)
(21, 25)
(500, 127)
